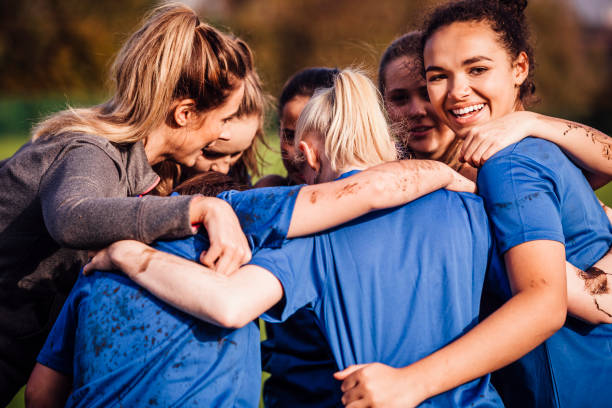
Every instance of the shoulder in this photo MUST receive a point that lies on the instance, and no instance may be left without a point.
(533, 150)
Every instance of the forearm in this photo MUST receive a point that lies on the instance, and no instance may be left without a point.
(229, 301)
(90, 223)
(590, 148)
(512, 331)
(538, 308)
(322, 206)
(588, 296)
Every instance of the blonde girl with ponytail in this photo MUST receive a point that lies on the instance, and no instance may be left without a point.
(343, 128)
(77, 183)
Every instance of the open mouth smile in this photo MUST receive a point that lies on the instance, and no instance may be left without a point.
(467, 111)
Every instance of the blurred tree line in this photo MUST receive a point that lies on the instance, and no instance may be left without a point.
(64, 47)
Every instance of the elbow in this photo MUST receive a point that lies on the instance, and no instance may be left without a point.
(232, 314)
(558, 314)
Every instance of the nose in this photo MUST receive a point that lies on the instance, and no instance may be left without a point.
(225, 134)
(416, 108)
(458, 88)
(222, 165)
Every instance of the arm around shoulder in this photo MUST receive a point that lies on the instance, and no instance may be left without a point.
(229, 301)
(322, 206)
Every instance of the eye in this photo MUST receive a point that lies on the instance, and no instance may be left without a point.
(212, 155)
(436, 78)
(478, 70)
(287, 135)
(398, 99)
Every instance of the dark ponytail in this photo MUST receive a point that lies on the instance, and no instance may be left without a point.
(506, 18)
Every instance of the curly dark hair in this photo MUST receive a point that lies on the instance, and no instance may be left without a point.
(506, 18)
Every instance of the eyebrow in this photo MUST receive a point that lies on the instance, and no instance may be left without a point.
(466, 62)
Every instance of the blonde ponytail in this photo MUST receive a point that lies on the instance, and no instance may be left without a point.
(350, 118)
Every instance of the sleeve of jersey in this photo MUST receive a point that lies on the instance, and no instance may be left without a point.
(521, 199)
(264, 213)
(58, 351)
(295, 266)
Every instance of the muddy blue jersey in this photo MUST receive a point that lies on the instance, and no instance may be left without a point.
(532, 191)
(124, 347)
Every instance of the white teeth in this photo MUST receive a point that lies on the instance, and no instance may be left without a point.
(468, 109)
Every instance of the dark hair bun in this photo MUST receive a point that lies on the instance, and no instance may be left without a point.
(516, 7)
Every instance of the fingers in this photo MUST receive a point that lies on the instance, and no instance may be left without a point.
(354, 398)
(341, 375)
(226, 255)
(100, 261)
(209, 258)
(470, 149)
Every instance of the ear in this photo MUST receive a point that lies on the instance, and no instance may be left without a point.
(310, 154)
(520, 68)
(184, 112)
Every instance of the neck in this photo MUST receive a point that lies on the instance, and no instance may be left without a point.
(154, 146)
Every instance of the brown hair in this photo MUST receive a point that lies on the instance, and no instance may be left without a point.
(172, 56)
(408, 45)
(210, 184)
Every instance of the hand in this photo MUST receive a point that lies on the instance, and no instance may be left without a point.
(461, 183)
(483, 141)
(376, 385)
(116, 254)
(229, 248)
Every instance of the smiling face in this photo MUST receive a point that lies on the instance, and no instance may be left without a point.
(408, 106)
(224, 152)
(185, 144)
(471, 78)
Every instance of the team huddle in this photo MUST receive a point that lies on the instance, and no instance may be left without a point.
(434, 243)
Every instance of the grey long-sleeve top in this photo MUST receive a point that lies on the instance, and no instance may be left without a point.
(69, 192)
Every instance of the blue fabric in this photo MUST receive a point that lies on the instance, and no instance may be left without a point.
(532, 191)
(393, 286)
(124, 347)
(300, 363)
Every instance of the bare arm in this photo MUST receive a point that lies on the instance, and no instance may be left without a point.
(534, 313)
(322, 206)
(228, 301)
(590, 148)
(588, 292)
(47, 388)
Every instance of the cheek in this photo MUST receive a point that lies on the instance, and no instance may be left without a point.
(396, 113)
(202, 164)
(436, 99)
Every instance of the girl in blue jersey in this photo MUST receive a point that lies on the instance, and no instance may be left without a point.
(479, 66)
(423, 135)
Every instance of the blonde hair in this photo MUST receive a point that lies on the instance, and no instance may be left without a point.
(172, 56)
(254, 102)
(350, 118)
